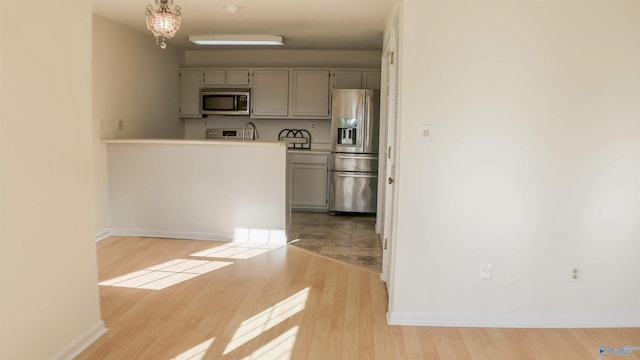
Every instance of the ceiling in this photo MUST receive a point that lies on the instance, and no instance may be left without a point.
(305, 24)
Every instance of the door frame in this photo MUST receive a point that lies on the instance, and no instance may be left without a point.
(389, 136)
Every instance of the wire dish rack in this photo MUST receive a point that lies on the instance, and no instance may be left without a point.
(296, 138)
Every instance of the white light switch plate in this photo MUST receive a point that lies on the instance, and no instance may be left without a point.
(486, 271)
(426, 133)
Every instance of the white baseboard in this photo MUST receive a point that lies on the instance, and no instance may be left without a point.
(81, 342)
(172, 235)
(101, 235)
(515, 320)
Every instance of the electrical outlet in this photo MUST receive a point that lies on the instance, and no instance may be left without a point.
(576, 274)
(120, 124)
(313, 125)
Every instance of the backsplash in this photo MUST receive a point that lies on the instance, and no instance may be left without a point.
(268, 129)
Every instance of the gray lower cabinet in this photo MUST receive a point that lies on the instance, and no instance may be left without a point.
(310, 182)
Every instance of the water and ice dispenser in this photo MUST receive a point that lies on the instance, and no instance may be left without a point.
(347, 132)
(347, 136)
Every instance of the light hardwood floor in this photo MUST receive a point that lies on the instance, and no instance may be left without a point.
(279, 302)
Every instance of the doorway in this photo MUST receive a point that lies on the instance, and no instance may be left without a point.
(350, 239)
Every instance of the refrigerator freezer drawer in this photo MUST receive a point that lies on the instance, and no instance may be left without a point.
(354, 162)
(353, 192)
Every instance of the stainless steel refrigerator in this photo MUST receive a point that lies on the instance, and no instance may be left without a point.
(354, 157)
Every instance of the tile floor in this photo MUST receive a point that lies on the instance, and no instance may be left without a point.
(347, 238)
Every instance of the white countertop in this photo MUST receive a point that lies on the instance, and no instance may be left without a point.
(316, 148)
(312, 151)
(321, 150)
(195, 142)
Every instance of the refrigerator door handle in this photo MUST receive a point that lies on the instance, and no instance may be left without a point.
(361, 123)
(358, 157)
(368, 176)
(367, 116)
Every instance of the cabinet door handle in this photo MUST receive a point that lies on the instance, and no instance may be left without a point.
(390, 181)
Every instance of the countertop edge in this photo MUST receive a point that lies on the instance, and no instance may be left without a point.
(315, 152)
(194, 142)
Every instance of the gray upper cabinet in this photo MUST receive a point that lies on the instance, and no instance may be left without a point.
(371, 79)
(347, 79)
(226, 78)
(240, 77)
(310, 94)
(190, 93)
(356, 79)
(297, 93)
(270, 96)
(213, 78)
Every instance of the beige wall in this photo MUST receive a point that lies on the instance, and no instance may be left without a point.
(534, 164)
(49, 295)
(136, 81)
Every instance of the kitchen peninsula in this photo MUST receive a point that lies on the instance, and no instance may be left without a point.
(208, 190)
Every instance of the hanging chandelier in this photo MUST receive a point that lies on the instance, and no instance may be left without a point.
(163, 21)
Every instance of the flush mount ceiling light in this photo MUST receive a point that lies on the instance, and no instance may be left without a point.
(232, 9)
(237, 39)
(163, 21)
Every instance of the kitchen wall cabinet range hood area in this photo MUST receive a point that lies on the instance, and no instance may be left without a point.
(275, 93)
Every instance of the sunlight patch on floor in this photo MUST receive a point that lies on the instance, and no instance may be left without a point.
(197, 352)
(238, 251)
(279, 348)
(260, 323)
(167, 274)
(260, 236)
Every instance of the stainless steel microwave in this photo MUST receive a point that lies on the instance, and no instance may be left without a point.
(224, 101)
